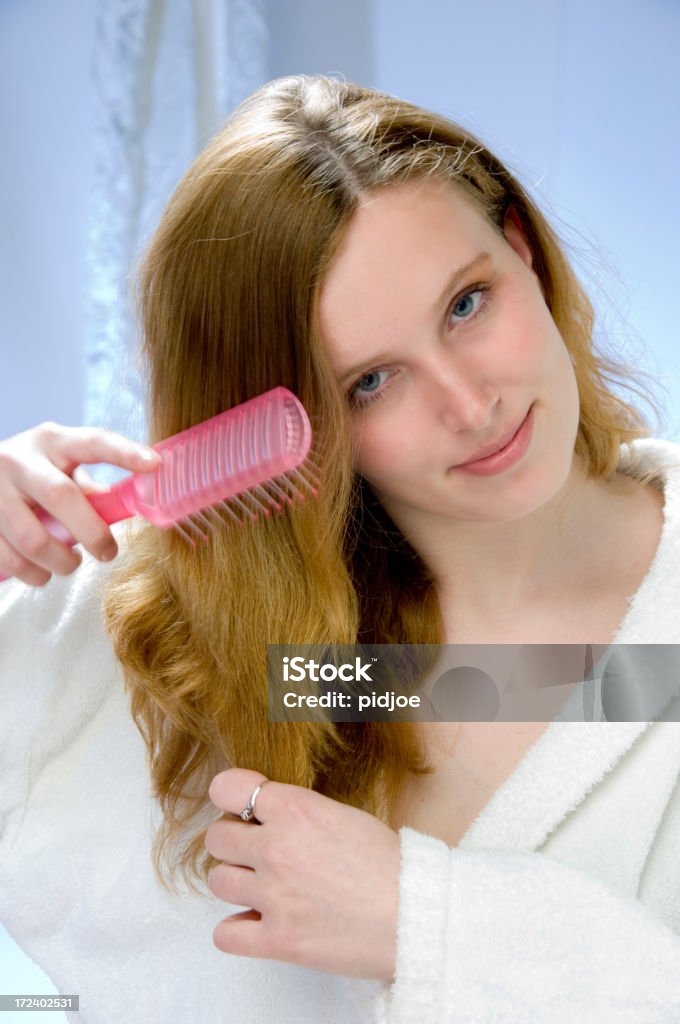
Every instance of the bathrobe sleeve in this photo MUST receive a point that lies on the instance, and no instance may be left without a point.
(56, 665)
(492, 937)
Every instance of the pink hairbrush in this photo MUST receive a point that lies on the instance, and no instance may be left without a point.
(246, 462)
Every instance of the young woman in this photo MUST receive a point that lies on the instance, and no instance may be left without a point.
(483, 482)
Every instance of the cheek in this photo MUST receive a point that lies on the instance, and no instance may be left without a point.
(373, 453)
(381, 449)
(527, 350)
(531, 343)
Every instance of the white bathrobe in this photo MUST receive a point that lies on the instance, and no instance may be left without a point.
(561, 903)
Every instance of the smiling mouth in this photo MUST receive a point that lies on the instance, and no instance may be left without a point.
(485, 453)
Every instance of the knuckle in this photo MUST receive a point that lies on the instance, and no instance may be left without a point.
(66, 570)
(57, 492)
(32, 540)
(99, 542)
(216, 839)
(48, 426)
(46, 430)
(211, 835)
(298, 806)
(13, 564)
(219, 881)
(92, 437)
(276, 856)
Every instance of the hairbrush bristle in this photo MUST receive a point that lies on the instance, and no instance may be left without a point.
(284, 491)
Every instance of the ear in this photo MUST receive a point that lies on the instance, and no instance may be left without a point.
(515, 236)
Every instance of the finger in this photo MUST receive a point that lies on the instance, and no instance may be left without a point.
(28, 544)
(88, 484)
(241, 935)
(237, 885)
(63, 499)
(70, 446)
(233, 842)
(232, 790)
(12, 564)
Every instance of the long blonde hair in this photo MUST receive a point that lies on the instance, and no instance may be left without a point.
(228, 290)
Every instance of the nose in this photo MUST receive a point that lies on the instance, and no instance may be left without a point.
(463, 398)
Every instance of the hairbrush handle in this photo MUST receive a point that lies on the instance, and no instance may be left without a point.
(109, 506)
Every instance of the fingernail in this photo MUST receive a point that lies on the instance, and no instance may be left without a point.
(108, 555)
(148, 456)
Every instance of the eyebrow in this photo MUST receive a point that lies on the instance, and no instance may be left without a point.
(450, 286)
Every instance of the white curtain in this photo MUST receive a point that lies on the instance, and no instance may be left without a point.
(166, 74)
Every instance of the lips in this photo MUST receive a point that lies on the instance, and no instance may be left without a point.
(497, 446)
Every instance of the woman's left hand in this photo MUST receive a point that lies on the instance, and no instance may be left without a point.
(321, 877)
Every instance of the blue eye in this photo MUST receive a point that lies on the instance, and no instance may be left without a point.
(370, 381)
(466, 307)
(368, 387)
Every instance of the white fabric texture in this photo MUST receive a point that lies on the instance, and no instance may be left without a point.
(166, 73)
(561, 902)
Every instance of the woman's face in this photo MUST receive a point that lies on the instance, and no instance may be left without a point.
(437, 327)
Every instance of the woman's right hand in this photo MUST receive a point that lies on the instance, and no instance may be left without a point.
(43, 466)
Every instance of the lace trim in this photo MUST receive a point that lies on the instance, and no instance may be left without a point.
(165, 73)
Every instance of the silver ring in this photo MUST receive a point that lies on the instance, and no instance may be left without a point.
(248, 812)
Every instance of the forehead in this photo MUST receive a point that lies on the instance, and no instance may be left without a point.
(397, 251)
(412, 211)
